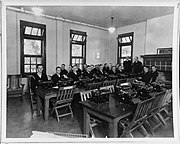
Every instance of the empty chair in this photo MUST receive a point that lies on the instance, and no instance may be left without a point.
(109, 82)
(137, 120)
(167, 101)
(63, 99)
(155, 107)
(91, 86)
(14, 86)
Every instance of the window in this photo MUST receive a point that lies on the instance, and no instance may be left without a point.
(77, 48)
(125, 47)
(33, 40)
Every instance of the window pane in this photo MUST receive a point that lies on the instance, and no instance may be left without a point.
(126, 51)
(79, 38)
(28, 30)
(39, 32)
(76, 50)
(81, 61)
(33, 68)
(75, 37)
(127, 39)
(73, 60)
(77, 60)
(27, 68)
(34, 31)
(27, 60)
(33, 60)
(123, 40)
(38, 60)
(32, 47)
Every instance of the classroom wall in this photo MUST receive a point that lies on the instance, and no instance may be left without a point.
(150, 35)
(57, 42)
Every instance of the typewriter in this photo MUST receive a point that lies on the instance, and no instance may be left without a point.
(98, 98)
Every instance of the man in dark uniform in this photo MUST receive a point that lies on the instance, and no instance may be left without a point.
(56, 77)
(40, 76)
(127, 65)
(154, 73)
(73, 74)
(64, 72)
(137, 66)
(146, 76)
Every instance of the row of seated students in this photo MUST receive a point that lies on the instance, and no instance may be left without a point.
(98, 71)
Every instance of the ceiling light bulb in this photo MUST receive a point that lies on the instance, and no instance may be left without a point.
(37, 11)
(111, 29)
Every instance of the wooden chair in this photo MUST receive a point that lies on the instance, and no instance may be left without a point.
(140, 114)
(32, 94)
(64, 99)
(85, 95)
(166, 102)
(109, 82)
(91, 86)
(14, 86)
(110, 88)
(155, 107)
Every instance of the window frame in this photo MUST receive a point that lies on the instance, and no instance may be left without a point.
(83, 43)
(119, 49)
(42, 38)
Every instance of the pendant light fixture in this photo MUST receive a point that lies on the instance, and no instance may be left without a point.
(112, 28)
(37, 11)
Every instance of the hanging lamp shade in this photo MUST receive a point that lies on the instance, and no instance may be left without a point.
(112, 28)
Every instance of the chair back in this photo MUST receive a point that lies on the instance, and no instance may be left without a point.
(29, 83)
(109, 82)
(85, 95)
(158, 101)
(65, 94)
(142, 110)
(91, 86)
(110, 88)
(120, 81)
(14, 81)
(167, 97)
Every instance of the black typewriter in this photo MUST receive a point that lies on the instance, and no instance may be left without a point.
(99, 98)
(65, 82)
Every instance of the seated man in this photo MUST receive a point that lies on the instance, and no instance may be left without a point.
(40, 76)
(154, 73)
(146, 76)
(87, 73)
(64, 72)
(73, 74)
(56, 77)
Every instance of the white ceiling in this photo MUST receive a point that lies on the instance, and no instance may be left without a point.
(101, 15)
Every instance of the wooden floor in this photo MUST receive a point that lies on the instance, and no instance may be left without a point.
(21, 122)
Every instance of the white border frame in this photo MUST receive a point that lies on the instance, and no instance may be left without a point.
(175, 72)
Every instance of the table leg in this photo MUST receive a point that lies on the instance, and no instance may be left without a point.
(38, 106)
(46, 109)
(86, 122)
(113, 129)
(112, 101)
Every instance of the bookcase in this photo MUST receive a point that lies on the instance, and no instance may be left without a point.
(163, 62)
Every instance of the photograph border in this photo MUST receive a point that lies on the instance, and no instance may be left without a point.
(175, 71)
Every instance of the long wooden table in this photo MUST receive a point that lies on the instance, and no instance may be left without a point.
(110, 113)
(47, 96)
